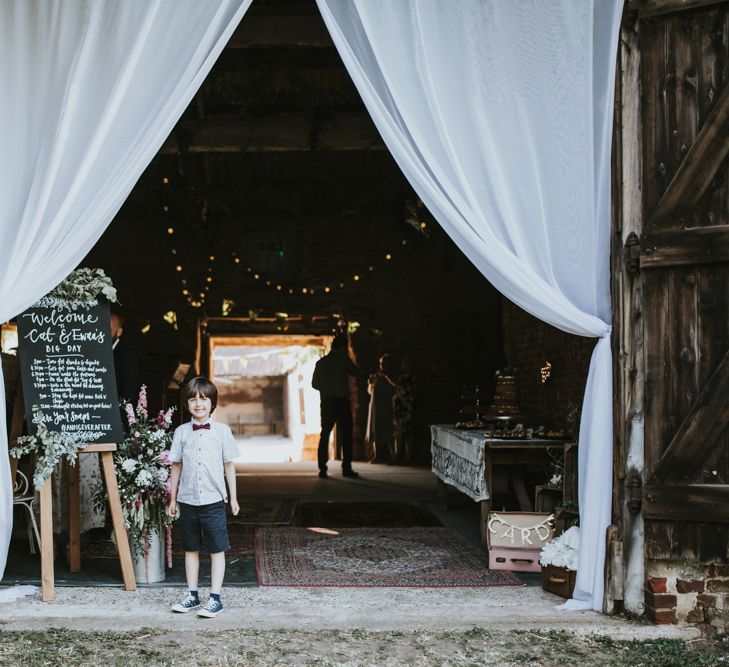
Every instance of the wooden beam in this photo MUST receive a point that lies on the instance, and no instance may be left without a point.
(697, 245)
(265, 31)
(699, 167)
(647, 8)
(698, 433)
(706, 503)
(279, 133)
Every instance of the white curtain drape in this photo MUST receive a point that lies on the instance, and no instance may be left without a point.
(499, 113)
(90, 90)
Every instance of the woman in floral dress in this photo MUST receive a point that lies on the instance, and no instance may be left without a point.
(403, 402)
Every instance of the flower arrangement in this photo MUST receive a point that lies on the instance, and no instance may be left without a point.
(51, 446)
(142, 468)
(562, 551)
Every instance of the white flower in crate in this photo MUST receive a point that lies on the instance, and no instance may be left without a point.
(562, 551)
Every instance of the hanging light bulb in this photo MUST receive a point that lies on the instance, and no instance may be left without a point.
(178, 268)
(171, 318)
(227, 306)
(388, 256)
(170, 230)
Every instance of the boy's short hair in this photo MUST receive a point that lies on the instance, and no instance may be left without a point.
(201, 386)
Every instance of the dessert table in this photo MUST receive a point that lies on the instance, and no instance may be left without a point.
(465, 459)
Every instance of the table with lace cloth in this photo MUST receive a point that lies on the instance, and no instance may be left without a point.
(465, 460)
(458, 459)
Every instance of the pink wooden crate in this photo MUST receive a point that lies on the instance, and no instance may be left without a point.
(515, 560)
(515, 540)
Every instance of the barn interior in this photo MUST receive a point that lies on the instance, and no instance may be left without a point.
(274, 217)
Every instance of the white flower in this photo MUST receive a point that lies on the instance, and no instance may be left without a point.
(129, 465)
(556, 480)
(144, 478)
(163, 474)
(562, 551)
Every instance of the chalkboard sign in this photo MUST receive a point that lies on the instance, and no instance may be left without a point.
(67, 368)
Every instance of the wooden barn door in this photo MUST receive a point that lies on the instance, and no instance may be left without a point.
(684, 272)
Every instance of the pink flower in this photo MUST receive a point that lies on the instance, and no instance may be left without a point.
(168, 417)
(142, 402)
(138, 503)
(164, 456)
(137, 434)
(130, 415)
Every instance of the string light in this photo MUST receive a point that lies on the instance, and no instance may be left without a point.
(171, 318)
(145, 329)
(355, 277)
(388, 256)
(170, 230)
(165, 180)
(178, 268)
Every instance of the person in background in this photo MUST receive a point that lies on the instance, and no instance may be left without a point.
(379, 418)
(202, 455)
(403, 404)
(126, 363)
(331, 380)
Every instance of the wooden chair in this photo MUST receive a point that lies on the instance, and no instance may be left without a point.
(24, 495)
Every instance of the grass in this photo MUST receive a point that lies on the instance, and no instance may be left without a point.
(254, 648)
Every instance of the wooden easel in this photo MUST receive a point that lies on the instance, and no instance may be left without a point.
(105, 452)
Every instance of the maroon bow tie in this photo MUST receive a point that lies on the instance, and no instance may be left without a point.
(197, 427)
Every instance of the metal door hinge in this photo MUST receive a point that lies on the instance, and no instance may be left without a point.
(634, 493)
(631, 254)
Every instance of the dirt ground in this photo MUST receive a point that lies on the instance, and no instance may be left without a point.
(325, 626)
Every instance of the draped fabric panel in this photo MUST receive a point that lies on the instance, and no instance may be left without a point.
(90, 90)
(500, 116)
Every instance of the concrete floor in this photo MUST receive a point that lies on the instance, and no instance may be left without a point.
(312, 608)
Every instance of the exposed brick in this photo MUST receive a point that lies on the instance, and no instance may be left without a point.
(721, 570)
(657, 584)
(660, 601)
(696, 615)
(662, 616)
(690, 586)
(717, 585)
(706, 600)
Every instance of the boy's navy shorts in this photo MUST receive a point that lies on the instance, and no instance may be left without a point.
(206, 520)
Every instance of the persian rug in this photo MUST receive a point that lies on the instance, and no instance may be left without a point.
(373, 557)
(375, 515)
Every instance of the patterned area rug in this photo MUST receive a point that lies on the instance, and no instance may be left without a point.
(370, 557)
(375, 515)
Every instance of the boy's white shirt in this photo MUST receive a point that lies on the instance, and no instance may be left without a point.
(203, 454)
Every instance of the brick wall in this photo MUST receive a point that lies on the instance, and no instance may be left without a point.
(528, 345)
(692, 593)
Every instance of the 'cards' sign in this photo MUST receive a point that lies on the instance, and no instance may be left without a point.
(67, 368)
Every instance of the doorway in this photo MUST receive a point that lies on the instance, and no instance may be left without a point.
(265, 394)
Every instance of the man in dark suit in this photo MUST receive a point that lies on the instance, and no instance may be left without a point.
(331, 380)
(126, 363)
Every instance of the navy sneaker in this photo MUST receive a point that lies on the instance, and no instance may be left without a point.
(211, 608)
(188, 603)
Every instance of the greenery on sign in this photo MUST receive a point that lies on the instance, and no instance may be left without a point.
(51, 447)
(82, 287)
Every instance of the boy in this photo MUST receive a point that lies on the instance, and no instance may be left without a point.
(202, 454)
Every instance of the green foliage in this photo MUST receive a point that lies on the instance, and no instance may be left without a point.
(50, 446)
(81, 289)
